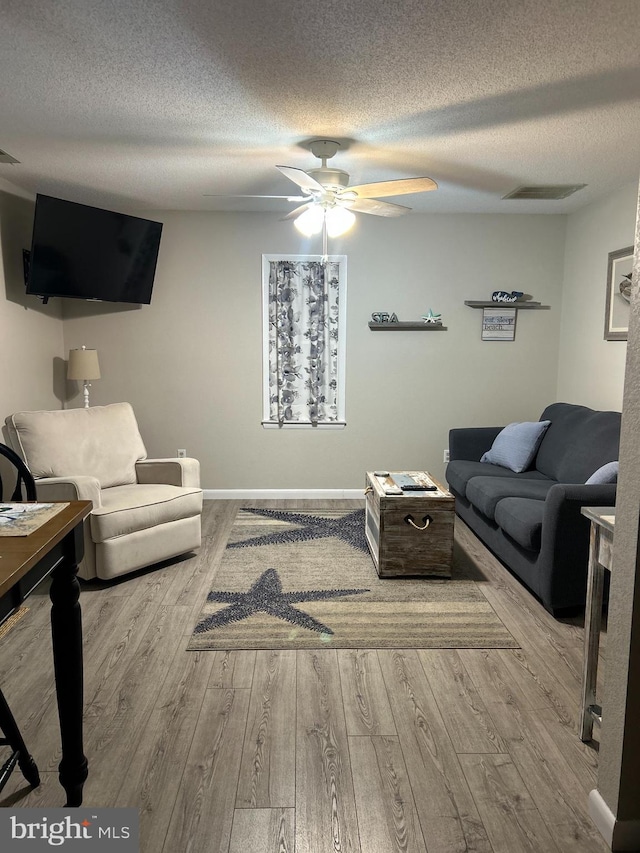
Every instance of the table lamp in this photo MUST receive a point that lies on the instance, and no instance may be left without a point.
(83, 366)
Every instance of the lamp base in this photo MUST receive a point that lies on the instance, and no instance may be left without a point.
(85, 390)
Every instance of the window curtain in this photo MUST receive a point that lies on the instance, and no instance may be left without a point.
(303, 341)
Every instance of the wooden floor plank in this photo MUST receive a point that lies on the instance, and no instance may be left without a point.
(169, 731)
(204, 808)
(232, 669)
(464, 713)
(190, 585)
(366, 705)
(263, 831)
(387, 817)
(550, 779)
(499, 678)
(448, 815)
(267, 769)
(325, 803)
(509, 814)
(160, 755)
(126, 706)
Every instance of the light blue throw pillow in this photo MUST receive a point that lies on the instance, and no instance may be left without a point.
(607, 474)
(516, 445)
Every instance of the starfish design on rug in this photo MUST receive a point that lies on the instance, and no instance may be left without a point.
(266, 594)
(349, 528)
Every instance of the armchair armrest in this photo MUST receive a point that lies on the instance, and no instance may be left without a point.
(471, 442)
(172, 472)
(80, 488)
(565, 538)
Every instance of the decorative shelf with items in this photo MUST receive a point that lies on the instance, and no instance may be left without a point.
(381, 321)
(516, 304)
(499, 314)
(409, 326)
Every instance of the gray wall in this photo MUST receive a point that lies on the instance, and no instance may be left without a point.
(191, 362)
(32, 352)
(591, 370)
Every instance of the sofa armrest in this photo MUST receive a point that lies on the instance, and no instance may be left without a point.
(564, 550)
(471, 442)
(80, 488)
(172, 472)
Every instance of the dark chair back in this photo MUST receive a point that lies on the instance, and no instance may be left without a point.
(24, 476)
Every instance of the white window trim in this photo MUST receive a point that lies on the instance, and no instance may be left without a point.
(267, 423)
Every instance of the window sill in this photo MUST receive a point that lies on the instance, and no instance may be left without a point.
(303, 425)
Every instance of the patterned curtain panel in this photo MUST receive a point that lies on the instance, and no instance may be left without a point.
(303, 341)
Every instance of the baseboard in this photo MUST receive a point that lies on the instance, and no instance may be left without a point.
(618, 834)
(282, 494)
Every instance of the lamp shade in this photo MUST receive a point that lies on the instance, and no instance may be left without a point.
(83, 364)
(339, 220)
(310, 222)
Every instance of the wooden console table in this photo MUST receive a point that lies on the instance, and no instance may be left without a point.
(55, 549)
(603, 521)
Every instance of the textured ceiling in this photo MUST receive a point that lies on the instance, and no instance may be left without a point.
(140, 104)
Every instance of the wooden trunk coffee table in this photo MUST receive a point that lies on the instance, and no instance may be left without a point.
(412, 533)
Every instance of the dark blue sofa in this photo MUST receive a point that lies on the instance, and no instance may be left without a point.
(532, 520)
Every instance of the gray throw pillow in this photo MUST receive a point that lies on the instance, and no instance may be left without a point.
(516, 445)
(606, 474)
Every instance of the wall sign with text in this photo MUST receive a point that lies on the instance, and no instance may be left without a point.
(498, 324)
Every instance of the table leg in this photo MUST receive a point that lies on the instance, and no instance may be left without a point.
(592, 623)
(66, 631)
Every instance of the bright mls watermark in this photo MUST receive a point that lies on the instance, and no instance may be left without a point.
(83, 830)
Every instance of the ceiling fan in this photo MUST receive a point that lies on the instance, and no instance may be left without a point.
(328, 200)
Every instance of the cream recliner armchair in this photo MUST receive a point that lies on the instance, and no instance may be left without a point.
(144, 510)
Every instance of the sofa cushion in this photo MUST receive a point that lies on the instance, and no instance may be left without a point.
(128, 509)
(460, 471)
(521, 519)
(578, 442)
(516, 445)
(102, 442)
(484, 493)
(606, 474)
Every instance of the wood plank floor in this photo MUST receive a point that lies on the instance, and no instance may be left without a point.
(328, 751)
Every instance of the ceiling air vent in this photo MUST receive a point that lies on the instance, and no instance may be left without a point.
(555, 191)
(7, 158)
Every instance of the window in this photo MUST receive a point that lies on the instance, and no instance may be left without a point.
(304, 313)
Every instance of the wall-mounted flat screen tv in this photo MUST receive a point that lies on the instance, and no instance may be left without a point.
(88, 253)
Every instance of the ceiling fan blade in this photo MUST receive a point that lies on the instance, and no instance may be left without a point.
(283, 197)
(301, 178)
(378, 208)
(297, 211)
(404, 186)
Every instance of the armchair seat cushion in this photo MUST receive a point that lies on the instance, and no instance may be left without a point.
(128, 509)
(521, 519)
(486, 493)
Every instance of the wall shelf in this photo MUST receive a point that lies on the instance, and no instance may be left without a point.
(491, 304)
(411, 326)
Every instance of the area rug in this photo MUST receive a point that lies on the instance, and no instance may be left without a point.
(303, 580)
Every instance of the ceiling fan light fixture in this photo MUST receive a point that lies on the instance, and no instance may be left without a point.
(311, 221)
(339, 221)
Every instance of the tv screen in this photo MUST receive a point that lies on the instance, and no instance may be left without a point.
(88, 253)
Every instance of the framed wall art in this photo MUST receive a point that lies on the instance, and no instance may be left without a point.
(616, 319)
(498, 324)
